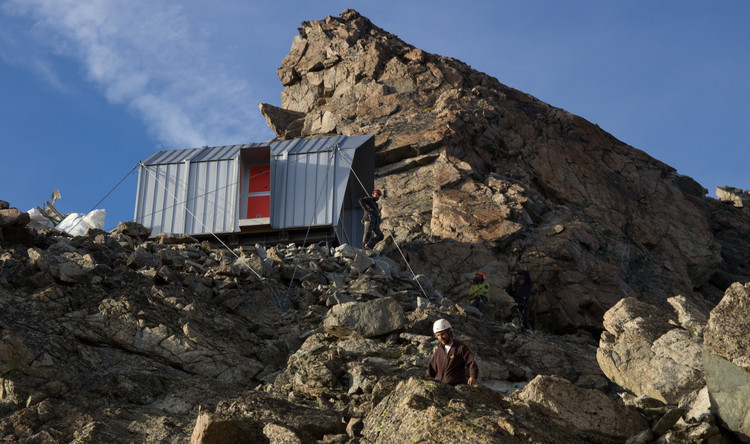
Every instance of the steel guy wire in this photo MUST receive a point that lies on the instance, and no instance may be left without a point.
(351, 167)
(312, 218)
(107, 195)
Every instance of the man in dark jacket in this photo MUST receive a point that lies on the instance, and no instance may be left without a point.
(520, 290)
(449, 362)
(371, 220)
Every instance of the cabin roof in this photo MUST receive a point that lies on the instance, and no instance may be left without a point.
(226, 152)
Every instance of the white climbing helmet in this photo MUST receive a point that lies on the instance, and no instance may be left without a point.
(440, 325)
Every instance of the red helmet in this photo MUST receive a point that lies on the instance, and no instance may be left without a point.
(377, 193)
(479, 273)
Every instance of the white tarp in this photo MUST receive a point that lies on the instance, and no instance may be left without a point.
(39, 220)
(76, 224)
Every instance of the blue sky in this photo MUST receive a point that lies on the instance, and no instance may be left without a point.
(89, 87)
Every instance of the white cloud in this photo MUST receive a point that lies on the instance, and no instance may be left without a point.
(148, 56)
(16, 51)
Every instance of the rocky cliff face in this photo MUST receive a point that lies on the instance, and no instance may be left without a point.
(478, 168)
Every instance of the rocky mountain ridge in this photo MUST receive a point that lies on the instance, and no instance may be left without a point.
(483, 170)
(119, 337)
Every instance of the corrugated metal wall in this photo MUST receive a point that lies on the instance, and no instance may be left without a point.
(305, 188)
(312, 184)
(189, 197)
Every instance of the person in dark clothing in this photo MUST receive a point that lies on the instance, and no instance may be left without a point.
(451, 357)
(371, 220)
(520, 290)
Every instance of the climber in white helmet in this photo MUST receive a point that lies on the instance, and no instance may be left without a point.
(451, 357)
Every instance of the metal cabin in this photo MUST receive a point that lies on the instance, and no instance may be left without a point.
(261, 192)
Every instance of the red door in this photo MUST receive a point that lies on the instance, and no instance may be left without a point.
(259, 192)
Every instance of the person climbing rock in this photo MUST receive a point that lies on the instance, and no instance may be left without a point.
(520, 290)
(371, 220)
(451, 357)
(479, 291)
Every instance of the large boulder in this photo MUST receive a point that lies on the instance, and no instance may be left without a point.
(426, 411)
(366, 319)
(728, 330)
(12, 225)
(735, 196)
(257, 417)
(312, 370)
(285, 123)
(643, 351)
(689, 316)
(726, 359)
(133, 230)
(582, 409)
(10, 217)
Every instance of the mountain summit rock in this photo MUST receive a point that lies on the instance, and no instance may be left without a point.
(492, 177)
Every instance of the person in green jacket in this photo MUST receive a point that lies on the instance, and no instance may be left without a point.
(479, 291)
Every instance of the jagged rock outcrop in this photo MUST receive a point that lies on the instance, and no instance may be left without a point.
(419, 410)
(285, 122)
(726, 359)
(466, 160)
(644, 352)
(687, 372)
(582, 409)
(737, 197)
